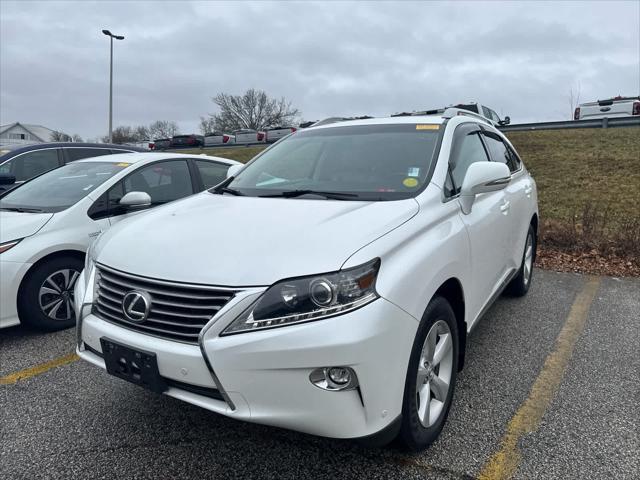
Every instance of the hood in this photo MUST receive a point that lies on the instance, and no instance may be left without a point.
(15, 225)
(247, 241)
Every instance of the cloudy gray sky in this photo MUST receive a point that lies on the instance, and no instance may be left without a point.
(328, 58)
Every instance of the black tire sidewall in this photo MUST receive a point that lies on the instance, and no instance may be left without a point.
(518, 287)
(413, 434)
(29, 310)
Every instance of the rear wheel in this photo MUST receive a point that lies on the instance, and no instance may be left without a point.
(45, 301)
(519, 286)
(431, 376)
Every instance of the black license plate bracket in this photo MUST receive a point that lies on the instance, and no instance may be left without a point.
(133, 365)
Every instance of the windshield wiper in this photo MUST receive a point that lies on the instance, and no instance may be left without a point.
(299, 193)
(22, 209)
(224, 188)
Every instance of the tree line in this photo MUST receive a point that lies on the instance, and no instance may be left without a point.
(254, 110)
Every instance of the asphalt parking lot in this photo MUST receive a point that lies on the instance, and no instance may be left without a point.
(550, 390)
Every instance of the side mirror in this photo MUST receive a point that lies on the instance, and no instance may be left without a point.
(136, 200)
(233, 169)
(7, 179)
(482, 177)
(505, 121)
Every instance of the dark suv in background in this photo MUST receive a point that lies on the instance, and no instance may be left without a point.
(19, 163)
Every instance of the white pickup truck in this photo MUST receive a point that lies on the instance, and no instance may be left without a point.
(247, 135)
(274, 134)
(609, 108)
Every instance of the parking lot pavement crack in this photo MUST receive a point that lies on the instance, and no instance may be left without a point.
(504, 463)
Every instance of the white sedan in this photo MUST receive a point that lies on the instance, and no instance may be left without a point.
(47, 223)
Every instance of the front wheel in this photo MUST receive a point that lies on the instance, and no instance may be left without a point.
(431, 376)
(45, 301)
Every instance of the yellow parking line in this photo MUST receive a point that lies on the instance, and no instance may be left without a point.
(38, 369)
(504, 463)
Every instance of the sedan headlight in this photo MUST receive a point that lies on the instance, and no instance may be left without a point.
(310, 298)
(7, 245)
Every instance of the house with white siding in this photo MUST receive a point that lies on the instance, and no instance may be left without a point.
(24, 133)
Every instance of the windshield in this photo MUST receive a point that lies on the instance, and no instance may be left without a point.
(369, 162)
(58, 189)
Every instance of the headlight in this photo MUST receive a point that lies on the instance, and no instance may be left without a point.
(7, 245)
(305, 299)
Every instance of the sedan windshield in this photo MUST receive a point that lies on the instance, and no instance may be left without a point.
(367, 162)
(61, 188)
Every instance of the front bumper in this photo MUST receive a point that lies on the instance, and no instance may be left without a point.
(11, 275)
(264, 375)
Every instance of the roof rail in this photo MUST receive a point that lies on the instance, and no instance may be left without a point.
(330, 120)
(451, 112)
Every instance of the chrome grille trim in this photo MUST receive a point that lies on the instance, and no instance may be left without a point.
(178, 312)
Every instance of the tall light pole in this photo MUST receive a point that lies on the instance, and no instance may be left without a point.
(117, 37)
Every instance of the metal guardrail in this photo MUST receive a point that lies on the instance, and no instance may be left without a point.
(593, 123)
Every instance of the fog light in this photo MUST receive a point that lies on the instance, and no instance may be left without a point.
(334, 378)
(339, 375)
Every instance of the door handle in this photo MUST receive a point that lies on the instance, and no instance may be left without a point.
(504, 208)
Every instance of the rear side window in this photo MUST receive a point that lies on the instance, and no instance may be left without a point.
(212, 173)
(468, 150)
(499, 151)
(80, 153)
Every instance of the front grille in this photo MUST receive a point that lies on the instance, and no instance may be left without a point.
(178, 311)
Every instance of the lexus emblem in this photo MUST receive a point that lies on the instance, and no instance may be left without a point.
(136, 305)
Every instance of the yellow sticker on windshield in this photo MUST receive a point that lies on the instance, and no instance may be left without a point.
(410, 182)
(428, 127)
(122, 164)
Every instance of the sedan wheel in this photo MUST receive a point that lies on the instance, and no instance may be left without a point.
(45, 297)
(56, 294)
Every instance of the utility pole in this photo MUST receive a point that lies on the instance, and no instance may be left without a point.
(111, 37)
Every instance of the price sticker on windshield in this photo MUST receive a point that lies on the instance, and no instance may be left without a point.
(427, 127)
(122, 164)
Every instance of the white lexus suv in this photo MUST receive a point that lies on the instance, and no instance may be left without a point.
(328, 286)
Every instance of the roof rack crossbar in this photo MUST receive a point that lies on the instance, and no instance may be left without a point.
(451, 112)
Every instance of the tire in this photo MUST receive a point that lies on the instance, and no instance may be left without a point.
(519, 286)
(438, 322)
(45, 299)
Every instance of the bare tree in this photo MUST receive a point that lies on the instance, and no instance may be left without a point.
(163, 129)
(122, 134)
(255, 110)
(76, 138)
(141, 133)
(57, 136)
(574, 99)
(207, 125)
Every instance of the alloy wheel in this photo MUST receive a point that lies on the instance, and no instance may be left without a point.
(56, 294)
(528, 259)
(434, 373)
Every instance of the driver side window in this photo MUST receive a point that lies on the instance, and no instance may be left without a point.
(468, 149)
(163, 181)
